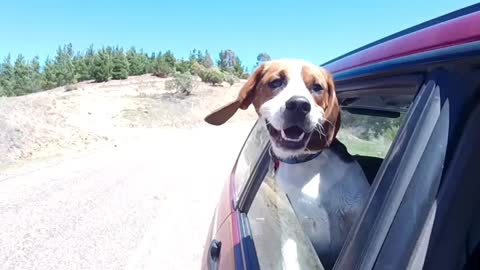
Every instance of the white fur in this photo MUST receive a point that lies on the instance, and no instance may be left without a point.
(327, 195)
(273, 109)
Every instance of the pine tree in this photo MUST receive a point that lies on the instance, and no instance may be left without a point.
(49, 79)
(110, 51)
(144, 63)
(227, 60)
(150, 66)
(136, 62)
(89, 58)
(169, 58)
(64, 65)
(200, 56)
(207, 60)
(36, 76)
(119, 66)
(102, 70)
(7, 80)
(82, 72)
(193, 56)
(262, 57)
(238, 69)
(21, 75)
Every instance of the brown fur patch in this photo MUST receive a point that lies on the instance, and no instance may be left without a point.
(329, 103)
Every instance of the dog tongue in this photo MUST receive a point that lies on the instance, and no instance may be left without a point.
(293, 132)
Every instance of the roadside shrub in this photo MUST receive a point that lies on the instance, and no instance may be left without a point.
(163, 69)
(212, 76)
(70, 87)
(390, 133)
(183, 83)
(197, 69)
(230, 78)
(182, 66)
(245, 76)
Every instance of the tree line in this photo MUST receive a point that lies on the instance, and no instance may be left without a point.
(24, 76)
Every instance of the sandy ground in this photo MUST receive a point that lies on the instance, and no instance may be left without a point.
(138, 206)
(55, 122)
(86, 183)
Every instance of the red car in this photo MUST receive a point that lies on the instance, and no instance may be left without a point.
(410, 117)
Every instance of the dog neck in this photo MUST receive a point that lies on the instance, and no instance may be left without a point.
(337, 147)
(292, 160)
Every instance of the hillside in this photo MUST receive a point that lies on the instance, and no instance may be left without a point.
(88, 115)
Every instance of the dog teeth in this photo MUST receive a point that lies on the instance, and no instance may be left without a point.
(284, 136)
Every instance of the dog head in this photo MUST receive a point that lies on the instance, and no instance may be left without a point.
(297, 101)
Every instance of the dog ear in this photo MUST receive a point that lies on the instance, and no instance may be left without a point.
(332, 120)
(244, 99)
(332, 113)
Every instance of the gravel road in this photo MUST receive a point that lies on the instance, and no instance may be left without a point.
(143, 204)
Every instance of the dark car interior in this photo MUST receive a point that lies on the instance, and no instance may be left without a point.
(390, 106)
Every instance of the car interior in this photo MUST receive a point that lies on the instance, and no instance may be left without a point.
(389, 106)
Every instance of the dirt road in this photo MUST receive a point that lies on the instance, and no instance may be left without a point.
(145, 204)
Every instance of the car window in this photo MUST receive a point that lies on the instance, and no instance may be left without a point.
(368, 135)
(254, 145)
(279, 239)
(277, 233)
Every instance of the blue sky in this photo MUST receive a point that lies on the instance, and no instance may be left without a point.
(314, 30)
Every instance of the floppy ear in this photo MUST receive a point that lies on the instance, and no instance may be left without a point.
(332, 121)
(243, 101)
(332, 113)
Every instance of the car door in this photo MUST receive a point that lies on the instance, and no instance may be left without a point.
(273, 236)
(395, 227)
(223, 249)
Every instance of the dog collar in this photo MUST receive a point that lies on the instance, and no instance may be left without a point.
(293, 160)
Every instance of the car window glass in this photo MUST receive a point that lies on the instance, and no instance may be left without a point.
(279, 239)
(368, 135)
(249, 155)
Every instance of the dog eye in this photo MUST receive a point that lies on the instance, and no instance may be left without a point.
(317, 88)
(276, 83)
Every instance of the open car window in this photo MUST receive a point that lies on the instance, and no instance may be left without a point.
(279, 238)
(368, 135)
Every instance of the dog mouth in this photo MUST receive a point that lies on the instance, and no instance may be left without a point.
(293, 137)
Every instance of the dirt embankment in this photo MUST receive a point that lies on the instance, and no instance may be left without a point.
(95, 114)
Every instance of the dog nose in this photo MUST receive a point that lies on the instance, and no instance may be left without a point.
(298, 104)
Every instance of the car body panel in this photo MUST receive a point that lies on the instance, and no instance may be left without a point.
(225, 200)
(457, 30)
(227, 256)
(449, 33)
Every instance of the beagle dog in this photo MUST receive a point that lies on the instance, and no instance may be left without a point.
(326, 187)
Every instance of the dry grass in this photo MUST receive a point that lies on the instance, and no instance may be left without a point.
(172, 110)
(89, 114)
